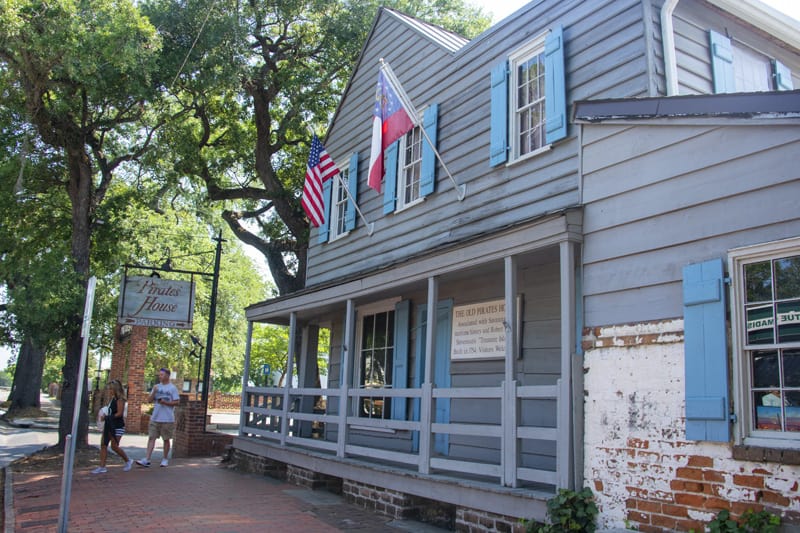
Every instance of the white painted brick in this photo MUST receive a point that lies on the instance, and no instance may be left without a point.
(636, 393)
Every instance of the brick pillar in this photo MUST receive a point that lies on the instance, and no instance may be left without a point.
(191, 437)
(136, 392)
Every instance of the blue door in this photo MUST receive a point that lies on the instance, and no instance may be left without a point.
(441, 369)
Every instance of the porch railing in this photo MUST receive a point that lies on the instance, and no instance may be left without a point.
(276, 414)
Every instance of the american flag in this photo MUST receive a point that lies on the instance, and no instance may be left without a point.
(320, 169)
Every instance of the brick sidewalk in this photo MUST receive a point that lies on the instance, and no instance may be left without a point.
(190, 495)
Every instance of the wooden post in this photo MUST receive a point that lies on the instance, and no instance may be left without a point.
(565, 445)
(347, 359)
(426, 404)
(509, 407)
(288, 377)
(245, 378)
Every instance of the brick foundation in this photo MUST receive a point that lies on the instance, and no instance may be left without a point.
(191, 437)
(643, 471)
(256, 464)
(472, 521)
(313, 480)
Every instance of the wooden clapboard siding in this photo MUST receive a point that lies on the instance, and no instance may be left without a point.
(659, 196)
(606, 63)
(691, 22)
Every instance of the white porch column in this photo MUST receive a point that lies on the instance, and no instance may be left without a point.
(346, 364)
(245, 377)
(288, 377)
(509, 407)
(565, 444)
(426, 403)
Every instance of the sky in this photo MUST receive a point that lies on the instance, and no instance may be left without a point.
(501, 9)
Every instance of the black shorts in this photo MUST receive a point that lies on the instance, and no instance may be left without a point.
(109, 432)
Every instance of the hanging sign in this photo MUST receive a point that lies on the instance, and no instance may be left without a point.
(155, 302)
(479, 331)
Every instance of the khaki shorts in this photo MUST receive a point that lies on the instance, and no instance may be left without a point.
(165, 430)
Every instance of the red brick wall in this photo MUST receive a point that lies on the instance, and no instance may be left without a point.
(127, 363)
(224, 401)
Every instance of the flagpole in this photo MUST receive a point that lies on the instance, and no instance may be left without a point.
(369, 225)
(461, 190)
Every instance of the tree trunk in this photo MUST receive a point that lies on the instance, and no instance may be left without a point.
(80, 189)
(27, 377)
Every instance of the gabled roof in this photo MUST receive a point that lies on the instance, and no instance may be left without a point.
(779, 104)
(448, 40)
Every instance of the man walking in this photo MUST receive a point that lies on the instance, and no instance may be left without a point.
(162, 421)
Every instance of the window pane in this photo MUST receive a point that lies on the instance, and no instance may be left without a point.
(368, 336)
(760, 325)
(792, 409)
(791, 369)
(767, 411)
(766, 372)
(789, 321)
(758, 281)
(787, 278)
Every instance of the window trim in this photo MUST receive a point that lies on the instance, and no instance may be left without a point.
(744, 433)
(534, 47)
(333, 224)
(401, 204)
(381, 306)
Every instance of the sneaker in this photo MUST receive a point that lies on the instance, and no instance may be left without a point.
(164, 462)
(143, 462)
(128, 465)
(100, 470)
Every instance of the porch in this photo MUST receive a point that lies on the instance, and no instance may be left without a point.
(506, 442)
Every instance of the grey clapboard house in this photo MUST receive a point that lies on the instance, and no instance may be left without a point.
(456, 364)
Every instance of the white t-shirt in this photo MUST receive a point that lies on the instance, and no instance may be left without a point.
(164, 413)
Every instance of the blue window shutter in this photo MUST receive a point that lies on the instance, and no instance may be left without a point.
(782, 75)
(427, 179)
(555, 101)
(706, 352)
(402, 314)
(498, 149)
(721, 63)
(352, 186)
(390, 178)
(326, 210)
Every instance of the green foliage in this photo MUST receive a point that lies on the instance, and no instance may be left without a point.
(569, 511)
(6, 378)
(750, 522)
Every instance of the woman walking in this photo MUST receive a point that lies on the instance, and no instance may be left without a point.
(114, 428)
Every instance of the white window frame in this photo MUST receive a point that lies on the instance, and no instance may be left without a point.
(529, 50)
(744, 432)
(403, 168)
(383, 306)
(338, 211)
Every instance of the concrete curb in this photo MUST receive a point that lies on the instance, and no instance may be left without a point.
(8, 502)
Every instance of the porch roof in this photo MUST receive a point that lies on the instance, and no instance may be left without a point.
(564, 225)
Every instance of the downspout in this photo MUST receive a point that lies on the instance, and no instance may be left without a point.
(668, 42)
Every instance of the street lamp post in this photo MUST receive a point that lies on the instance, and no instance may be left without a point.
(199, 356)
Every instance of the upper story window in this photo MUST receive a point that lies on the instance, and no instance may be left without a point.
(339, 210)
(528, 99)
(766, 314)
(339, 201)
(410, 165)
(751, 71)
(741, 69)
